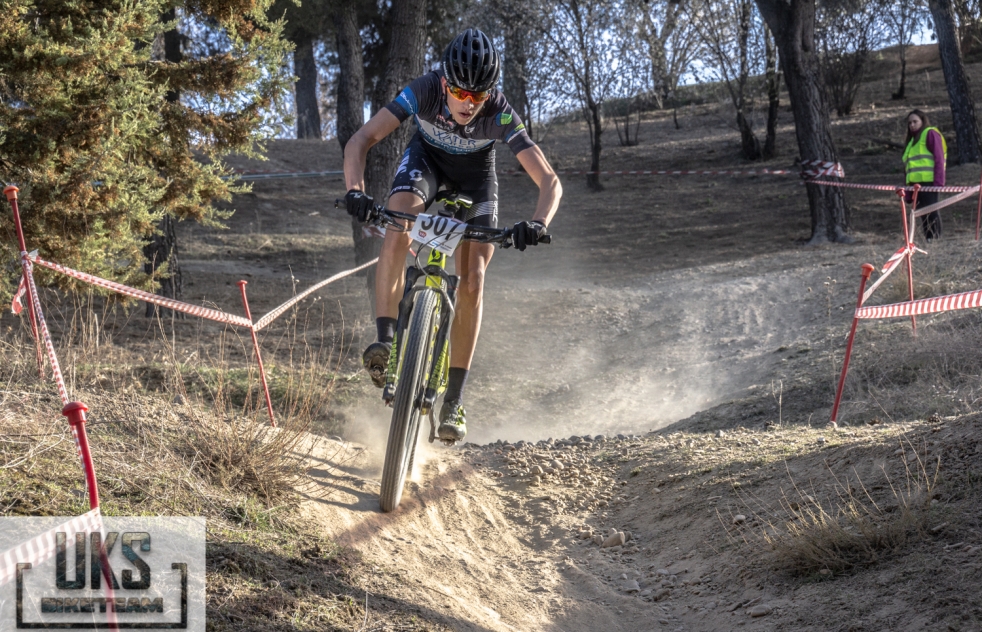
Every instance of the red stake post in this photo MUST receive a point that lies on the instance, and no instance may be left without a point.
(11, 193)
(910, 250)
(259, 358)
(75, 411)
(867, 271)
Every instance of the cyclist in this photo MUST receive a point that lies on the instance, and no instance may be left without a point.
(459, 116)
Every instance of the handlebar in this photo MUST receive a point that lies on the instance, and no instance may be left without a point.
(381, 216)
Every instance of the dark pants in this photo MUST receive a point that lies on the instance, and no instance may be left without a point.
(930, 223)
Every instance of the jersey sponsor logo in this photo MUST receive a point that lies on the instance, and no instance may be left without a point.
(518, 128)
(407, 100)
(409, 188)
(504, 118)
(470, 129)
(415, 175)
(448, 141)
(404, 164)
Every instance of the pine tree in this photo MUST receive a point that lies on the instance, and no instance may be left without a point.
(88, 134)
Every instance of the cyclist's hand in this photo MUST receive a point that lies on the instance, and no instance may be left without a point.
(359, 204)
(527, 233)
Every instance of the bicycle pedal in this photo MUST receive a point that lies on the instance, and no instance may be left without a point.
(448, 442)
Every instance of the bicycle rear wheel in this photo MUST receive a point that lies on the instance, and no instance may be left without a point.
(404, 427)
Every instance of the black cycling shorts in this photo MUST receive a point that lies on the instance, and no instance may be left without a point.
(425, 170)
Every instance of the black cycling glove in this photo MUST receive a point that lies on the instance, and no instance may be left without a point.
(359, 204)
(527, 233)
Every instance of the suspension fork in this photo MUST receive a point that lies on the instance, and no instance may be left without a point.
(437, 382)
(405, 309)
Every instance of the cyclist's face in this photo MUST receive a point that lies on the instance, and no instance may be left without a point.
(463, 111)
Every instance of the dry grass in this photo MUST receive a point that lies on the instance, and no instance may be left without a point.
(896, 375)
(851, 529)
(161, 448)
(193, 406)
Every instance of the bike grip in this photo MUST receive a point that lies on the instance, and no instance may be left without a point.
(545, 239)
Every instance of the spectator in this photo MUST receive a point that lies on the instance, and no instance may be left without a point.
(924, 163)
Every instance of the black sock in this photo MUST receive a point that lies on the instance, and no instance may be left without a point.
(455, 385)
(386, 328)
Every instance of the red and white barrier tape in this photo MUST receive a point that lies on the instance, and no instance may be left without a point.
(273, 175)
(943, 203)
(52, 356)
(45, 336)
(951, 302)
(43, 547)
(180, 306)
(194, 310)
(890, 187)
(15, 305)
(279, 175)
(811, 169)
(890, 266)
(665, 172)
(277, 312)
(820, 169)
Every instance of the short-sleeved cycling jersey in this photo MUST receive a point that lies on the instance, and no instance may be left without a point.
(426, 99)
(444, 154)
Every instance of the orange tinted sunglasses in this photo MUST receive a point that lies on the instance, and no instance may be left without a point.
(460, 94)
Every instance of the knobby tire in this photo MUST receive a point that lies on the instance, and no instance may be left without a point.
(404, 427)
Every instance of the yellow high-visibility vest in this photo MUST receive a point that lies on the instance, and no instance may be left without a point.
(918, 159)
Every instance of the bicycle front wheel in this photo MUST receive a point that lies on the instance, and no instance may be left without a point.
(404, 427)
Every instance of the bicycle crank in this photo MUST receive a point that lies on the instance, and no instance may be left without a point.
(432, 419)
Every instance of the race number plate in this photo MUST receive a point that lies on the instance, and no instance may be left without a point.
(439, 233)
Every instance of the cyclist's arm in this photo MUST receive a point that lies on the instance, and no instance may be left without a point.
(550, 189)
(377, 128)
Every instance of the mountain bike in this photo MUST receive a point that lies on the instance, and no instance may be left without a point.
(419, 362)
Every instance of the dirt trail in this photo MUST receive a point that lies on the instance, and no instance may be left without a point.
(486, 552)
(659, 299)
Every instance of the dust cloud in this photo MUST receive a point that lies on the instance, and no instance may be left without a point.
(564, 354)
(569, 349)
(367, 424)
(564, 351)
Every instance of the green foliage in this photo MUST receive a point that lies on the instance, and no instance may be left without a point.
(87, 133)
(310, 19)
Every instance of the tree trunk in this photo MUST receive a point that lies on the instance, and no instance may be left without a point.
(172, 49)
(162, 247)
(596, 130)
(662, 83)
(405, 62)
(406, 50)
(748, 140)
(515, 80)
(773, 95)
(351, 73)
(308, 108)
(899, 94)
(959, 94)
(793, 26)
(351, 116)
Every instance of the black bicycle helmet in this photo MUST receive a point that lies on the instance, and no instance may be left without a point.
(471, 62)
